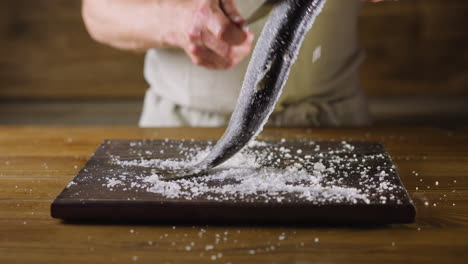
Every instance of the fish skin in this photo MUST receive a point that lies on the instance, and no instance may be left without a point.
(267, 73)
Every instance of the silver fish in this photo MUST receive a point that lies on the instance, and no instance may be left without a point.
(267, 73)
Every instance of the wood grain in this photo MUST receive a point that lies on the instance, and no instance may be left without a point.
(414, 47)
(37, 162)
(45, 52)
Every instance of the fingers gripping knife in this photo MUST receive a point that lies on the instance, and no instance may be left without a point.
(267, 73)
(260, 12)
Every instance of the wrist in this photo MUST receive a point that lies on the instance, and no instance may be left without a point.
(168, 23)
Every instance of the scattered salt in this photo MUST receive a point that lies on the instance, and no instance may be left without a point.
(262, 171)
(113, 182)
(209, 247)
(256, 143)
(319, 166)
(317, 54)
(282, 237)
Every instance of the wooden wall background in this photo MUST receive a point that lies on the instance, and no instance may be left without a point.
(415, 49)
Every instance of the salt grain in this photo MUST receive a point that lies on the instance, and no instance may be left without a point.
(282, 237)
(317, 54)
(319, 166)
(209, 247)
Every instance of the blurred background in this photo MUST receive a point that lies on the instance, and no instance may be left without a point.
(51, 72)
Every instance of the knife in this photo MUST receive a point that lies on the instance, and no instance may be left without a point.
(261, 12)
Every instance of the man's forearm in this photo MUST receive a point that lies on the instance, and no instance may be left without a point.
(135, 24)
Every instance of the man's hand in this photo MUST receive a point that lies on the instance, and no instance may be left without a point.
(213, 34)
(209, 31)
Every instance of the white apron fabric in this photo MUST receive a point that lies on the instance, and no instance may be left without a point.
(323, 88)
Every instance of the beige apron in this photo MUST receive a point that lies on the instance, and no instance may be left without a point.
(323, 88)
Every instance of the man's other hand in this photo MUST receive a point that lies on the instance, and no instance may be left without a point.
(214, 36)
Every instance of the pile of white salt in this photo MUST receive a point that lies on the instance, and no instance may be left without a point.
(260, 172)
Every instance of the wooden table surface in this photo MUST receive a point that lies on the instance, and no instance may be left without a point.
(36, 163)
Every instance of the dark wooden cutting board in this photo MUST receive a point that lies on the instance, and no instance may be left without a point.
(91, 195)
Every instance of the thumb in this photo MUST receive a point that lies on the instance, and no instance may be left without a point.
(231, 11)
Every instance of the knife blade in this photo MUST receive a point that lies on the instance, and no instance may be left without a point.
(262, 11)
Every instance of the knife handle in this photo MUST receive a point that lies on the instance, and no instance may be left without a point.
(238, 20)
